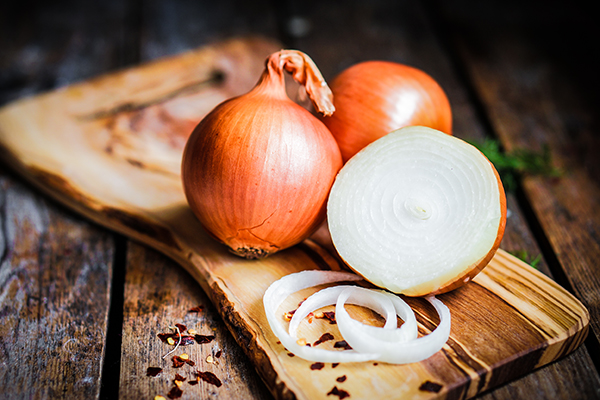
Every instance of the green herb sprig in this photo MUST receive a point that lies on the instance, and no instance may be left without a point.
(511, 166)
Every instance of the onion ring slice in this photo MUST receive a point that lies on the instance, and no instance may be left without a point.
(281, 289)
(394, 352)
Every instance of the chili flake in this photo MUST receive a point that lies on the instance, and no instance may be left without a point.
(334, 365)
(153, 371)
(317, 366)
(429, 386)
(341, 379)
(196, 309)
(218, 353)
(202, 339)
(175, 392)
(342, 344)
(178, 380)
(329, 315)
(209, 377)
(182, 328)
(342, 394)
(324, 337)
(177, 362)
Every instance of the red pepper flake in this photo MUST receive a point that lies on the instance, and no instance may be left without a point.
(193, 382)
(175, 392)
(202, 339)
(153, 371)
(324, 337)
(218, 353)
(178, 378)
(178, 362)
(342, 344)
(342, 394)
(291, 355)
(341, 379)
(317, 366)
(209, 377)
(186, 340)
(334, 365)
(429, 386)
(330, 315)
(182, 328)
(196, 309)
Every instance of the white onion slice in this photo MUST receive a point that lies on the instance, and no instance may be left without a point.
(384, 303)
(388, 344)
(417, 212)
(394, 352)
(281, 289)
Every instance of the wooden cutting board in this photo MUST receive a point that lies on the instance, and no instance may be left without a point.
(110, 149)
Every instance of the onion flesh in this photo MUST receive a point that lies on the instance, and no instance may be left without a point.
(392, 351)
(387, 344)
(417, 212)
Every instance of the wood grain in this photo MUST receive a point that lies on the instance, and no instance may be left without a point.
(533, 102)
(422, 35)
(158, 297)
(55, 280)
(544, 321)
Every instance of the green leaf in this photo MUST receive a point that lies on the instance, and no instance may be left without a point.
(511, 166)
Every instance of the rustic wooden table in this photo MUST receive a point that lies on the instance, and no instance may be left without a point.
(79, 304)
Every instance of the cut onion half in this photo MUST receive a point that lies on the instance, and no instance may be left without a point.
(417, 212)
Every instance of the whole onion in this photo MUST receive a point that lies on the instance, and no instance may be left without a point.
(257, 169)
(373, 98)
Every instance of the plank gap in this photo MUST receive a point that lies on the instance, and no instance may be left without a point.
(109, 388)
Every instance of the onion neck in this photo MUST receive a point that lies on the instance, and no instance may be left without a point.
(304, 71)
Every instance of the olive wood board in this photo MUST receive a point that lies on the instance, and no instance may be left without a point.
(109, 148)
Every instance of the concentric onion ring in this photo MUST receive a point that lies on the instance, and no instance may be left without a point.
(387, 344)
(417, 212)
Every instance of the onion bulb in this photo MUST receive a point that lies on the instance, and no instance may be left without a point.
(258, 168)
(417, 212)
(373, 98)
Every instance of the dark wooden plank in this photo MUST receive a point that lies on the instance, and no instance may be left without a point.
(56, 268)
(159, 295)
(55, 276)
(539, 89)
(341, 35)
(158, 291)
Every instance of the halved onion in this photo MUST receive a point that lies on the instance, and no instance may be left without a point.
(417, 212)
(387, 344)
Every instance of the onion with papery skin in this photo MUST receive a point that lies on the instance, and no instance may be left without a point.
(417, 212)
(373, 98)
(257, 169)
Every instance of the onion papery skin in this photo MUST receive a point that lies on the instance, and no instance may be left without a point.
(373, 98)
(257, 169)
(417, 212)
